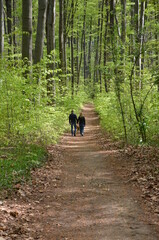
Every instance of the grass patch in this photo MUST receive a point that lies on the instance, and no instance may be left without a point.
(17, 162)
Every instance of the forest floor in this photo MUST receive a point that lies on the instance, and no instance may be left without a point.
(90, 189)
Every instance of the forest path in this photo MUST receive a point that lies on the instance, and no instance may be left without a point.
(80, 194)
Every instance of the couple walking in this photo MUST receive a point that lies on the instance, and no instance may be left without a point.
(73, 120)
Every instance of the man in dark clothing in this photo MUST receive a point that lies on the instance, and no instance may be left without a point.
(82, 122)
(72, 122)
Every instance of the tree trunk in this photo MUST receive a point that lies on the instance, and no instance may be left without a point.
(123, 24)
(136, 12)
(1, 29)
(27, 30)
(100, 46)
(90, 49)
(9, 24)
(72, 50)
(96, 61)
(65, 39)
(84, 40)
(50, 35)
(141, 39)
(77, 57)
(105, 45)
(14, 25)
(50, 26)
(156, 34)
(42, 7)
(61, 35)
(112, 14)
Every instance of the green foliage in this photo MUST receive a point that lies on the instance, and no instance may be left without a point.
(16, 163)
(25, 112)
(110, 117)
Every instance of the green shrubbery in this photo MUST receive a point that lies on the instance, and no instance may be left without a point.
(28, 122)
(16, 163)
(107, 106)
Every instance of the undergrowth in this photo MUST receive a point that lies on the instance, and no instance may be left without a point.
(16, 163)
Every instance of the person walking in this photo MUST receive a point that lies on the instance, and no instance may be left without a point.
(82, 122)
(72, 122)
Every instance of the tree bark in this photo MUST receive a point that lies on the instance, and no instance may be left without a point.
(84, 40)
(9, 24)
(141, 39)
(96, 61)
(61, 35)
(89, 50)
(136, 15)
(123, 24)
(50, 35)
(72, 49)
(100, 45)
(105, 44)
(42, 7)
(50, 26)
(14, 25)
(1, 29)
(112, 15)
(27, 30)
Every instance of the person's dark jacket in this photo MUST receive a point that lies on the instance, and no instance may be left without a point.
(72, 118)
(81, 120)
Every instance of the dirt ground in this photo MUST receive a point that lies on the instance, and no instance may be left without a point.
(82, 193)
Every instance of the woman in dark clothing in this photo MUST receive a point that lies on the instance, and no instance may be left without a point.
(82, 122)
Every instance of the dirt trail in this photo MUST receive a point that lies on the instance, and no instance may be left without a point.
(84, 198)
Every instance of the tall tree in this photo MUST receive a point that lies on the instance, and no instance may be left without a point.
(9, 23)
(100, 45)
(40, 30)
(105, 44)
(1, 29)
(90, 49)
(14, 25)
(27, 30)
(123, 22)
(61, 34)
(50, 35)
(84, 39)
(50, 26)
(72, 47)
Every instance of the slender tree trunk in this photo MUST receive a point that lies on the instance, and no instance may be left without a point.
(61, 35)
(40, 30)
(96, 61)
(72, 49)
(27, 30)
(84, 40)
(105, 45)
(141, 39)
(9, 23)
(80, 61)
(90, 49)
(123, 24)
(65, 38)
(77, 57)
(100, 46)
(112, 15)
(136, 12)
(156, 34)
(50, 35)
(1, 29)
(14, 25)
